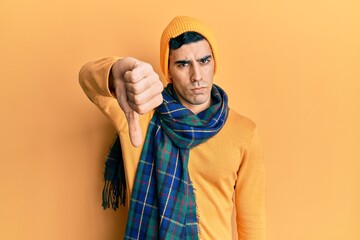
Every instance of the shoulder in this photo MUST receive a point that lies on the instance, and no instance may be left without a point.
(239, 128)
(240, 121)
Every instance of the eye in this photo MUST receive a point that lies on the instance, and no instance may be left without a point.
(183, 65)
(205, 60)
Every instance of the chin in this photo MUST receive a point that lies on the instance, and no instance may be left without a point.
(200, 101)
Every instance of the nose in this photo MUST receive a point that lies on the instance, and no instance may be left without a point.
(196, 73)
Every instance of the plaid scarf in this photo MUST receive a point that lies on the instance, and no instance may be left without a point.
(163, 202)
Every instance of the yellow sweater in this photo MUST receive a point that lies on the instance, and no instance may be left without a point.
(227, 171)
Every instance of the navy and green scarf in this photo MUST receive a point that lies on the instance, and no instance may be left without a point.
(163, 204)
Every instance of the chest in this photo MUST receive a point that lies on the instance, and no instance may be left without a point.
(216, 161)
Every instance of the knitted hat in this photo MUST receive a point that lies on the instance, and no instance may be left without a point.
(178, 26)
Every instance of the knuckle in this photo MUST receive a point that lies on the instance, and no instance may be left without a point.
(159, 100)
(137, 99)
(129, 76)
(147, 66)
(134, 88)
(156, 77)
(141, 109)
(160, 86)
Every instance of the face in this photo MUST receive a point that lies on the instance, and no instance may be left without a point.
(191, 69)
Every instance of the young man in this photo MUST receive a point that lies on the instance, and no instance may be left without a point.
(188, 158)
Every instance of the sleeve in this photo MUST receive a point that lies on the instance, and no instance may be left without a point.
(250, 192)
(94, 80)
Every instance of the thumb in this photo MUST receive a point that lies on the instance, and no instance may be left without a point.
(135, 133)
(132, 117)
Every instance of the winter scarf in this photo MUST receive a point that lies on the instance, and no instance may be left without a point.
(163, 202)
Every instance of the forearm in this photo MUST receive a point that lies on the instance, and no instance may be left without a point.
(94, 80)
(94, 77)
(250, 193)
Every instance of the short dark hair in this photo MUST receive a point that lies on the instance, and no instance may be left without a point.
(185, 38)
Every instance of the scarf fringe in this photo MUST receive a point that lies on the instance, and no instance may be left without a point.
(115, 184)
(197, 212)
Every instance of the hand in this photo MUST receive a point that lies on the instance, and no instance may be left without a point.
(138, 91)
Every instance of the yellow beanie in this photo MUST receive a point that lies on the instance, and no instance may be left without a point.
(178, 26)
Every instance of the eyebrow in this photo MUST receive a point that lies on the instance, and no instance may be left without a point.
(189, 61)
(204, 58)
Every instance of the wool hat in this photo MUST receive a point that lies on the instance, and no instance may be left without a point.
(178, 26)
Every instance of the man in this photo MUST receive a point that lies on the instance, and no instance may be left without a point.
(199, 159)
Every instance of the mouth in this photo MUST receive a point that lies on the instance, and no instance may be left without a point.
(198, 90)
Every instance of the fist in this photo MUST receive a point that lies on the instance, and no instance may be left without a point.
(138, 90)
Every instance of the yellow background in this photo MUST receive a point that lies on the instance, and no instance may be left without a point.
(291, 66)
